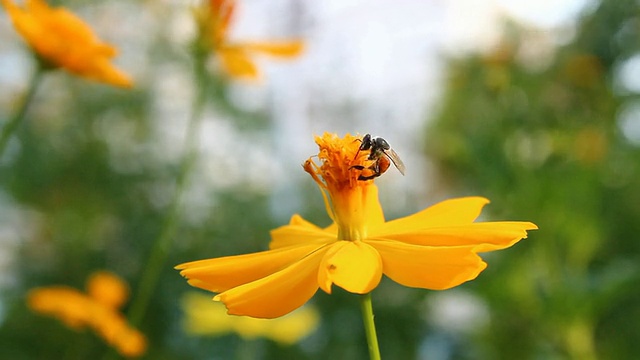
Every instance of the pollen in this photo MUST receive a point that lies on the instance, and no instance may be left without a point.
(337, 156)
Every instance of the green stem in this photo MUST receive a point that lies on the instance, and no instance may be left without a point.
(369, 326)
(11, 125)
(155, 263)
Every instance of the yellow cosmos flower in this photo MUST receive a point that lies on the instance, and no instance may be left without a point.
(204, 317)
(61, 39)
(236, 57)
(436, 248)
(98, 310)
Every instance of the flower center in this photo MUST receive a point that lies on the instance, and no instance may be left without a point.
(352, 203)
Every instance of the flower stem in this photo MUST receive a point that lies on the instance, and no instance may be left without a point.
(163, 242)
(369, 326)
(11, 125)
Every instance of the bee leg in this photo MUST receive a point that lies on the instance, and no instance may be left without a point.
(363, 178)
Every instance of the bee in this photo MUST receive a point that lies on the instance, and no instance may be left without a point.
(382, 153)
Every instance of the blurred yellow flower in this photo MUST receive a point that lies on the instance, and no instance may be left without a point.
(236, 57)
(204, 317)
(61, 39)
(435, 248)
(97, 310)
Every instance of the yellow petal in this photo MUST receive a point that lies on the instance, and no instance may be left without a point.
(352, 265)
(64, 40)
(427, 267)
(300, 221)
(64, 24)
(222, 12)
(277, 294)
(237, 63)
(295, 326)
(130, 343)
(107, 289)
(284, 49)
(446, 213)
(38, 7)
(65, 303)
(204, 316)
(485, 236)
(223, 273)
(113, 328)
(106, 73)
(300, 232)
(333, 228)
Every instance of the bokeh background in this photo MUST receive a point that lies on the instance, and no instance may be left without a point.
(535, 106)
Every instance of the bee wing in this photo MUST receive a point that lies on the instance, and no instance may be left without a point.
(395, 159)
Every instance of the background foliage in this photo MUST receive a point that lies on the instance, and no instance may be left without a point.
(547, 144)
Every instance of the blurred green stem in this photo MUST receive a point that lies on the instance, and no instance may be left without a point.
(9, 128)
(369, 326)
(163, 242)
